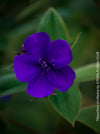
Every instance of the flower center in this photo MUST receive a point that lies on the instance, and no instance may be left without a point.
(46, 65)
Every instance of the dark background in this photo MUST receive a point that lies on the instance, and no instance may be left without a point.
(19, 19)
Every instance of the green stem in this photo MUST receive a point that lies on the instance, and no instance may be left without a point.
(77, 38)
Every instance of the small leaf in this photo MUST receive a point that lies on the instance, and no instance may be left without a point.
(86, 73)
(87, 116)
(67, 104)
(53, 24)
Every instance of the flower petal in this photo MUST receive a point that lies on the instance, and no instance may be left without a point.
(40, 87)
(63, 78)
(37, 45)
(25, 68)
(61, 53)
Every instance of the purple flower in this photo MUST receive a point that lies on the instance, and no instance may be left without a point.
(45, 65)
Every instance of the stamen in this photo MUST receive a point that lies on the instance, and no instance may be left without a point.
(44, 62)
(47, 65)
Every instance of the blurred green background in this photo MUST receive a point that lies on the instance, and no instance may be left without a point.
(19, 19)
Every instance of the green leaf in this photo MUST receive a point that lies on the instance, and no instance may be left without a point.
(86, 73)
(87, 116)
(9, 84)
(53, 24)
(67, 104)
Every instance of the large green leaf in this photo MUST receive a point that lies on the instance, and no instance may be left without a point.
(53, 24)
(87, 116)
(67, 104)
(86, 73)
